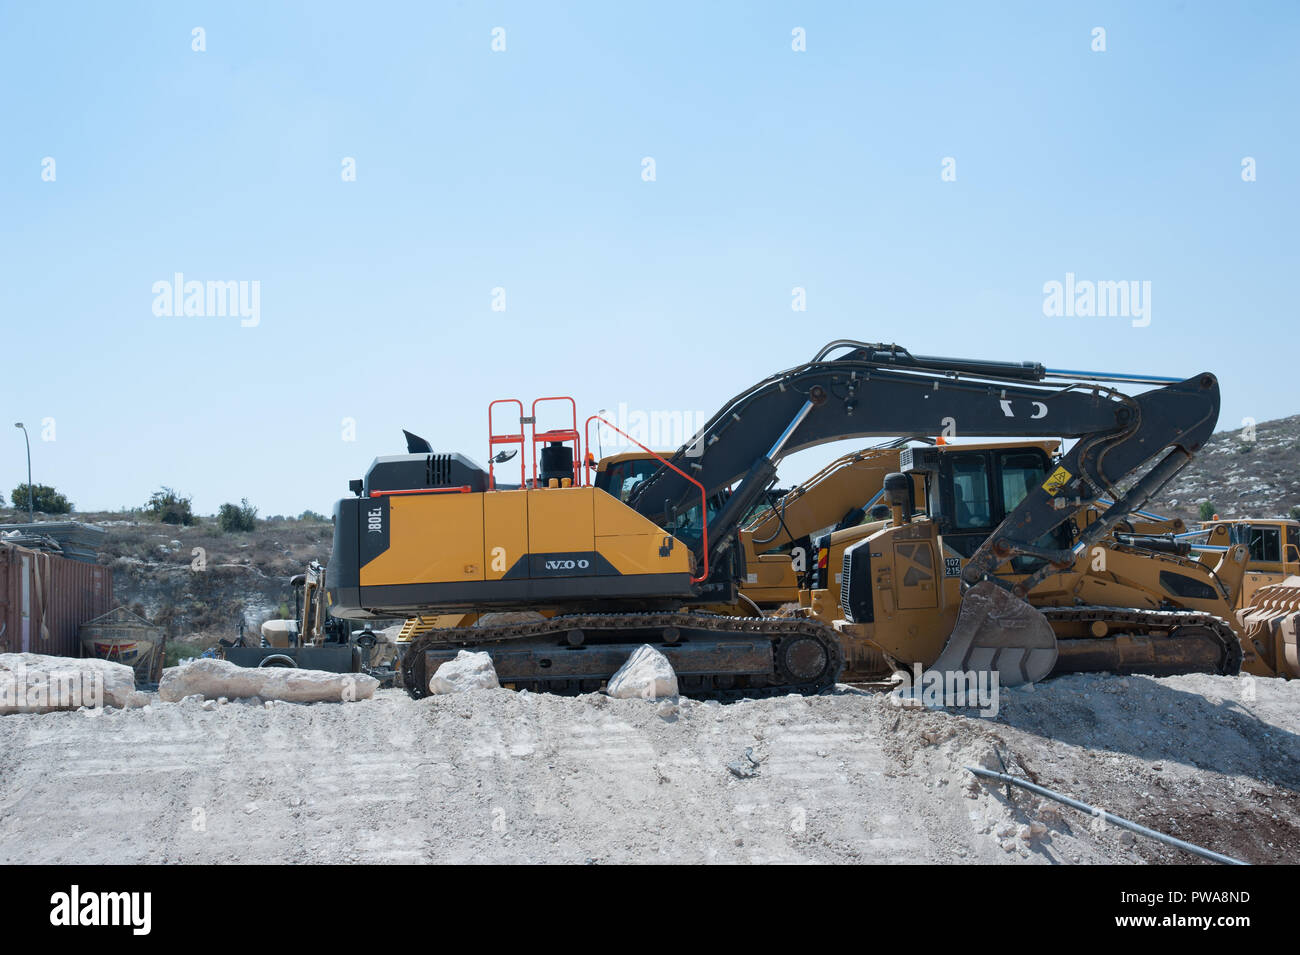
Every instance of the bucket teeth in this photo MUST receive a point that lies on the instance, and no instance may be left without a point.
(1272, 626)
(996, 631)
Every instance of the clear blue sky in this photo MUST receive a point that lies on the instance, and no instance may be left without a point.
(522, 169)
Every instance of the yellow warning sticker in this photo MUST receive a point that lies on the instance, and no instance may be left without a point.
(1059, 478)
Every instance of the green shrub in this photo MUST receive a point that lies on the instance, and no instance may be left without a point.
(170, 508)
(44, 499)
(237, 517)
(313, 516)
(1207, 511)
(176, 651)
(1295, 513)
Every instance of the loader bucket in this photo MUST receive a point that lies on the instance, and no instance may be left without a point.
(1272, 626)
(997, 631)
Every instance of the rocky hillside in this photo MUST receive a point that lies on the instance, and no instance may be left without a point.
(1241, 477)
(199, 581)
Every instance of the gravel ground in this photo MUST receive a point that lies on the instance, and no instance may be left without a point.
(498, 776)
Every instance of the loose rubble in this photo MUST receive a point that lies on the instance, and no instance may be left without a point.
(36, 683)
(647, 675)
(214, 679)
(469, 671)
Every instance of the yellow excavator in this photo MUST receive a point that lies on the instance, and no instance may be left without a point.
(432, 532)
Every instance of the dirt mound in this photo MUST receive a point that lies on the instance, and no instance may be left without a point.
(500, 776)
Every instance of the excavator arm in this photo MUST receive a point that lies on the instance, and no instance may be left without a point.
(1128, 447)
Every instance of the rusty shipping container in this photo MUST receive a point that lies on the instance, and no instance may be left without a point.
(45, 598)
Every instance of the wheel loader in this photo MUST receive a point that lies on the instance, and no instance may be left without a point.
(1268, 613)
(433, 532)
(1273, 544)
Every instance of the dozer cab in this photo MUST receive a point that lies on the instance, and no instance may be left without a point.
(432, 532)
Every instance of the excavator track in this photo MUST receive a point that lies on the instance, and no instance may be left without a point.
(714, 656)
(1154, 642)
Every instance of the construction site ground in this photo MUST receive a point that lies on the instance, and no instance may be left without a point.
(499, 776)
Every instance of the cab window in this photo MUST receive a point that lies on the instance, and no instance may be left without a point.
(1266, 544)
(1020, 473)
(970, 485)
(620, 478)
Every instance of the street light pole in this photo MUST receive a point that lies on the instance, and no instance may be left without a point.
(31, 515)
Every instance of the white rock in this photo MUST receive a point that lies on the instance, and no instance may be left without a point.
(213, 679)
(469, 671)
(646, 675)
(36, 683)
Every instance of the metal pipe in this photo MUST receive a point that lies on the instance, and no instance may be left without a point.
(1110, 376)
(1105, 816)
(775, 450)
(1106, 502)
(895, 356)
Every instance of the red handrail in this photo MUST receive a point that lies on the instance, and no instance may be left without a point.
(495, 439)
(559, 434)
(704, 498)
(463, 489)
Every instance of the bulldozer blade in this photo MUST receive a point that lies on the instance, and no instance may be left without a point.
(997, 631)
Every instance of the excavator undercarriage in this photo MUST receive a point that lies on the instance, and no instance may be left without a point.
(713, 655)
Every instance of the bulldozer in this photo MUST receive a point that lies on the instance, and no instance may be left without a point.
(1132, 600)
(434, 533)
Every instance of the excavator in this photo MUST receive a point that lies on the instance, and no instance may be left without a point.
(429, 532)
